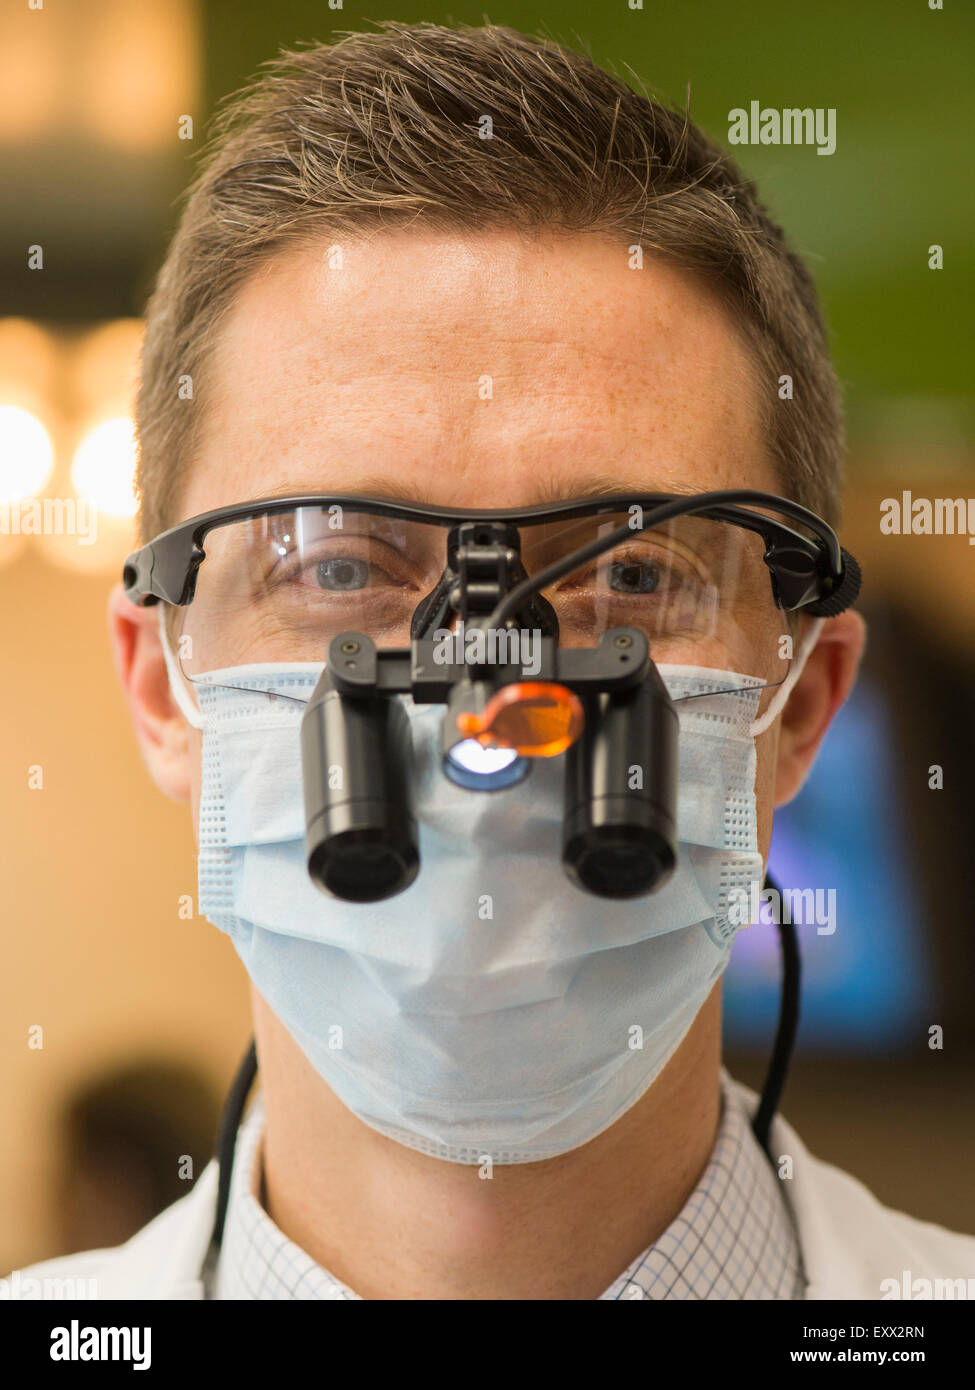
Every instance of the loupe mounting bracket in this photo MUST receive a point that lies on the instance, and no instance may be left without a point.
(356, 667)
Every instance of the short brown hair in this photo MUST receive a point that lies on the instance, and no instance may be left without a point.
(383, 128)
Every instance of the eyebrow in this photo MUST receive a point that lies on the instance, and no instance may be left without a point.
(592, 487)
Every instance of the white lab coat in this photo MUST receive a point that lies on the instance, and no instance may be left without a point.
(850, 1243)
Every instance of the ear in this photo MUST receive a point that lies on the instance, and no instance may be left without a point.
(163, 733)
(827, 679)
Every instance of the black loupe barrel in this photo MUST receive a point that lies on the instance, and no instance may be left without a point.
(361, 833)
(620, 830)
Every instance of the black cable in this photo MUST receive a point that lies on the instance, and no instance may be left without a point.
(785, 1034)
(233, 1111)
(534, 583)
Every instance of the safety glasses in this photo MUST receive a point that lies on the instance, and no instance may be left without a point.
(715, 580)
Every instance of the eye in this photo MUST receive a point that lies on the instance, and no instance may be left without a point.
(340, 570)
(633, 576)
(342, 573)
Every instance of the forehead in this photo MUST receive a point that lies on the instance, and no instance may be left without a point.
(474, 370)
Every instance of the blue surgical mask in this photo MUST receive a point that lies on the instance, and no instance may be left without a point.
(493, 1009)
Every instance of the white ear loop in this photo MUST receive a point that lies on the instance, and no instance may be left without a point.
(759, 726)
(180, 694)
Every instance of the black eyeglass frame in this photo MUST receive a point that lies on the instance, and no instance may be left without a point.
(817, 576)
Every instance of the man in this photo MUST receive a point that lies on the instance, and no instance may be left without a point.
(468, 270)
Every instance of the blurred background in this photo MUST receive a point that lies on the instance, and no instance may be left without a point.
(122, 1013)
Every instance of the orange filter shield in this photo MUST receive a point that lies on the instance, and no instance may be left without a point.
(538, 718)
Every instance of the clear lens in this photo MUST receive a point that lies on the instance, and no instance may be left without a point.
(699, 589)
(277, 589)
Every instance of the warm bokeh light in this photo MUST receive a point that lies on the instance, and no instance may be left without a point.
(26, 454)
(67, 399)
(103, 471)
(30, 366)
(11, 548)
(140, 71)
(105, 368)
(29, 74)
(113, 71)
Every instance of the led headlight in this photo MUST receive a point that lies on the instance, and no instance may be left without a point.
(468, 760)
(471, 765)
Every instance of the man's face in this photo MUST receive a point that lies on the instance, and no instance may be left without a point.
(364, 377)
